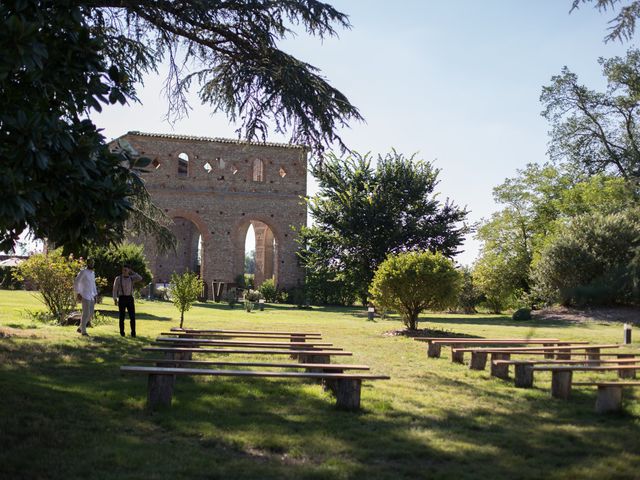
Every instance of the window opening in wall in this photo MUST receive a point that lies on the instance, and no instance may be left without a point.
(220, 161)
(183, 164)
(234, 169)
(155, 164)
(207, 167)
(283, 172)
(258, 170)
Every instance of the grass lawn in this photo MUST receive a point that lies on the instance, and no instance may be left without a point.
(66, 412)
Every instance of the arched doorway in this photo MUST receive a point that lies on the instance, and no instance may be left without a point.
(263, 239)
(188, 256)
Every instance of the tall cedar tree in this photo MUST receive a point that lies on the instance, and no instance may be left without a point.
(62, 60)
(363, 213)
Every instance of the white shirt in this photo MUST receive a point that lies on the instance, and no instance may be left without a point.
(85, 284)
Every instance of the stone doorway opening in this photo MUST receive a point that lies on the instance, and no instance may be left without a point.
(258, 242)
(188, 256)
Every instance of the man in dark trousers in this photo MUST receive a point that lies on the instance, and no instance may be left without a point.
(123, 296)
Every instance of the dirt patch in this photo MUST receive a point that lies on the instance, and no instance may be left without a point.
(598, 314)
(8, 332)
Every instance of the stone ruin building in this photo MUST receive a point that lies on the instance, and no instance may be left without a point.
(214, 189)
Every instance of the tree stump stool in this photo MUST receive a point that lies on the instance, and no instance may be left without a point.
(434, 350)
(593, 355)
(457, 356)
(561, 384)
(500, 370)
(626, 373)
(160, 390)
(524, 375)
(478, 361)
(549, 354)
(347, 392)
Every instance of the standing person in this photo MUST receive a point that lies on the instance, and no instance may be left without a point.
(85, 287)
(123, 296)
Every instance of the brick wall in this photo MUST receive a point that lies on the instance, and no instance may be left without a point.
(218, 198)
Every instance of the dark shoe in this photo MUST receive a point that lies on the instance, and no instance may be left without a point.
(78, 330)
(85, 334)
(133, 334)
(122, 334)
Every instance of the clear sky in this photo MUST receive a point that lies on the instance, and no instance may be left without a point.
(456, 81)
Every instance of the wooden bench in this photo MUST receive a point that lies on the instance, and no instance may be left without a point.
(160, 384)
(247, 344)
(310, 367)
(524, 374)
(479, 355)
(562, 376)
(609, 397)
(304, 356)
(262, 333)
(291, 337)
(434, 344)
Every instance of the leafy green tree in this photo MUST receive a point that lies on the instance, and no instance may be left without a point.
(52, 274)
(184, 291)
(250, 262)
(469, 295)
(597, 130)
(411, 282)
(63, 60)
(536, 203)
(268, 290)
(592, 260)
(363, 213)
(109, 261)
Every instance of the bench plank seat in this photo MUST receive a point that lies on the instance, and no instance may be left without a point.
(569, 348)
(434, 345)
(324, 366)
(253, 332)
(248, 351)
(300, 338)
(233, 343)
(346, 386)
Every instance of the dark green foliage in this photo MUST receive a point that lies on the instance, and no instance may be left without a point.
(522, 314)
(469, 296)
(109, 262)
(592, 261)
(324, 289)
(411, 282)
(363, 213)
(537, 202)
(59, 179)
(8, 279)
(250, 262)
(63, 60)
(268, 290)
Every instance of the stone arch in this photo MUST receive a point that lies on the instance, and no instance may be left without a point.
(268, 236)
(188, 228)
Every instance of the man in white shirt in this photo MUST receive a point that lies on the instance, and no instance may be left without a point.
(85, 287)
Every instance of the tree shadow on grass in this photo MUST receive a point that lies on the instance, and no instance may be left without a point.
(497, 321)
(67, 412)
(139, 315)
